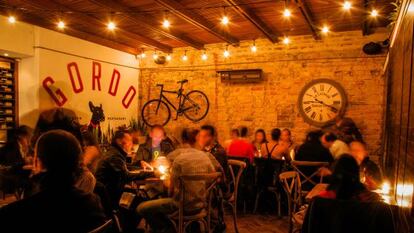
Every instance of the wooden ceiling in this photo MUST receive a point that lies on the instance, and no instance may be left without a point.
(194, 23)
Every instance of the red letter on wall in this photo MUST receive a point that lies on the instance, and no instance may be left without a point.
(58, 93)
(112, 90)
(96, 75)
(75, 89)
(127, 96)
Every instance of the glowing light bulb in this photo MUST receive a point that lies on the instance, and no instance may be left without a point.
(385, 189)
(143, 55)
(286, 40)
(166, 23)
(184, 58)
(374, 13)
(287, 13)
(325, 29)
(12, 19)
(6, 54)
(155, 56)
(226, 53)
(111, 25)
(61, 25)
(162, 169)
(347, 5)
(168, 57)
(253, 48)
(204, 56)
(225, 20)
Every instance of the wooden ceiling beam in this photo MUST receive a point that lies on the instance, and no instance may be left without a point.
(93, 22)
(148, 23)
(307, 14)
(248, 14)
(197, 20)
(36, 20)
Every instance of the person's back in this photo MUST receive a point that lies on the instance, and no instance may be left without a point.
(312, 149)
(241, 147)
(58, 206)
(275, 149)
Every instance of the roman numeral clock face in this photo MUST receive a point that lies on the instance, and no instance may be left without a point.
(321, 101)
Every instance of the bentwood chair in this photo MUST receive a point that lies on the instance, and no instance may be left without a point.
(107, 227)
(234, 166)
(308, 180)
(180, 219)
(291, 184)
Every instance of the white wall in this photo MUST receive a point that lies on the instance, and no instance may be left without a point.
(44, 53)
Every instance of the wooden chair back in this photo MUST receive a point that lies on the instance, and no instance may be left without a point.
(297, 165)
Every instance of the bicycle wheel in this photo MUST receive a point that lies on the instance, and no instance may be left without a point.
(156, 112)
(195, 105)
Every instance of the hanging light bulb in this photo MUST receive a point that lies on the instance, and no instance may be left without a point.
(225, 20)
(286, 40)
(347, 5)
(11, 19)
(166, 23)
(204, 56)
(168, 57)
(253, 48)
(374, 13)
(287, 13)
(6, 54)
(111, 25)
(155, 56)
(325, 29)
(61, 24)
(143, 55)
(226, 52)
(184, 57)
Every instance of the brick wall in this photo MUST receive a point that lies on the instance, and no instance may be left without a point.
(287, 68)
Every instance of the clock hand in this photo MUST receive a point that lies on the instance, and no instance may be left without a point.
(327, 105)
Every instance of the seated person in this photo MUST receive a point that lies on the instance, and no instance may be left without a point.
(275, 148)
(59, 205)
(336, 146)
(112, 170)
(91, 151)
(259, 140)
(312, 149)
(345, 182)
(241, 147)
(234, 134)
(190, 161)
(369, 170)
(156, 145)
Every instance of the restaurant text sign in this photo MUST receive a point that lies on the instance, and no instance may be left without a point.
(77, 84)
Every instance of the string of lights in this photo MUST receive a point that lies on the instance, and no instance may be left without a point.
(225, 20)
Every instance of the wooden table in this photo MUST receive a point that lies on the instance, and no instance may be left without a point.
(318, 188)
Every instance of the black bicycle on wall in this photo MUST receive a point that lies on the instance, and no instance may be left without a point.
(194, 105)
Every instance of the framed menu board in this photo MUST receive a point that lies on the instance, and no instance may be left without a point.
(8, 97)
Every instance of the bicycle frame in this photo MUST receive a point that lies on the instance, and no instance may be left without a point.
(181, 97)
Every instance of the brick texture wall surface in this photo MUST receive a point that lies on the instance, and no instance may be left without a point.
(286, 68)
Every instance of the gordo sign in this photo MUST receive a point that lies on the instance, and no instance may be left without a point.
(77, 84)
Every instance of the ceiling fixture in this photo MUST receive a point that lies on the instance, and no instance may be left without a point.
(155, 55)
(6, 54)
(166, 23)
(184, 57)
(253, 48)
(143, 55)
(61, 24)
(325, 29)
(286, 40)
(111, 25)
(225, 20)
(374, 13)
(287, 13)
(11, 19)
(168, 57)
(347, 5)
(204, 56)
(226, 52)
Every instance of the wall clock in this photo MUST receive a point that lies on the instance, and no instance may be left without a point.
(321, 101)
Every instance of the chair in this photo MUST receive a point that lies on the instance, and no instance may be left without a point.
(179, 219)
(308, 178)
(291, 184)
(104, 228)
(239, 166)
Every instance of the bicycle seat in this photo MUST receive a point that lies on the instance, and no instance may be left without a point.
(183, 81)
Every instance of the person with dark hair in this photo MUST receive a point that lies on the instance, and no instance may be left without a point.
(188, 139)
(259, 139)
(189, 161)
(58, 204)
(336, 146)
(369, 170)
(15, 152)
(275, 148)
(234, 134)
(91, 151)
(241, 147)
(112, 170)
(207, 140)
(157, 144)
(345, 183)
(312, 149)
